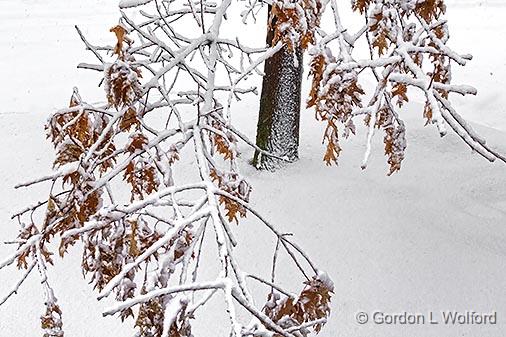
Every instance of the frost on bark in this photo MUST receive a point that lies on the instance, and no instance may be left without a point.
(279, 115)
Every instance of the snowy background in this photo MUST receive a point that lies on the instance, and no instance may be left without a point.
(430, 238)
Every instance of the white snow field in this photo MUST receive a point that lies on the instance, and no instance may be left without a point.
(431, 238)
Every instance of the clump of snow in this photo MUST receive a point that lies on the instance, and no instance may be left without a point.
(132, 3)
(325, 279)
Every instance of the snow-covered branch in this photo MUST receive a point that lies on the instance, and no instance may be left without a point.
(408, 49)
(166, 89)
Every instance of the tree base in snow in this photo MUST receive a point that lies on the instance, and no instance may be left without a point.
(265, 162)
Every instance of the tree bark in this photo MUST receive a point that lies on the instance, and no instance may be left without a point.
(279, 115)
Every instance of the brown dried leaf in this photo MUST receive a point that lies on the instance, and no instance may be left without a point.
(120, 32)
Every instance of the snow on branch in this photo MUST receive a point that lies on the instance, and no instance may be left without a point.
(407, 43)
(170, 93)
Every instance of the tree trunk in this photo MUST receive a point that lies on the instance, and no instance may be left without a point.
(279, 115)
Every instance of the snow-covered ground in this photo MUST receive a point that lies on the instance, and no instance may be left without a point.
(430, 238)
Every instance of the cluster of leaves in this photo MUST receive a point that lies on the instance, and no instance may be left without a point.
(295, 22)
(51, 321)
(407, 42)
(150, 318)
(233, 184)
(140, 173)
(122, 84)
(336, 105)
(224, 142)
(394, 139)
(74, 132)
(312, 305)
